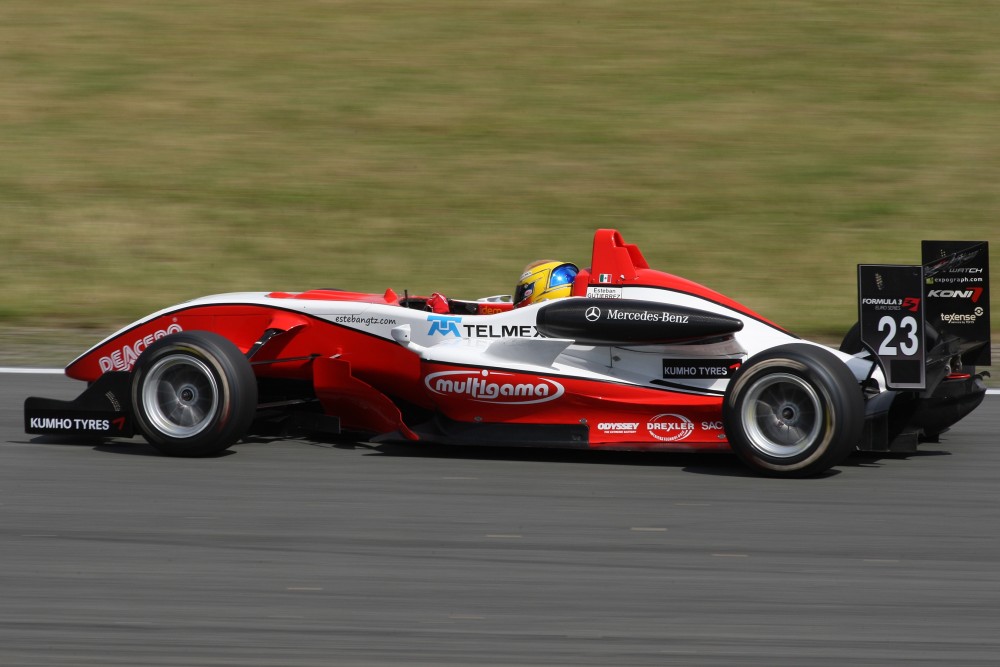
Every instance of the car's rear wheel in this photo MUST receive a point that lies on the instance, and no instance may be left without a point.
(194, 394)
(795, 411)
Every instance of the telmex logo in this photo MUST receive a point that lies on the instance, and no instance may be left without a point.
(125, 358)
(669, 427)
(444, 325)
(497, 388)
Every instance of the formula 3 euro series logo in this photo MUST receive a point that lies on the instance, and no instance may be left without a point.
(910, 303)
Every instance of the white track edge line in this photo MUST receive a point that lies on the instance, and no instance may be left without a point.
(59, 371)
(32, 371)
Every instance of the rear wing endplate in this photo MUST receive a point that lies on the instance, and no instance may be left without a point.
(916, 317)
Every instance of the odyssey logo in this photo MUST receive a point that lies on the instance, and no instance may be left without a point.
(670, 427)
(124, 358)
(618, 427)
(493, 387)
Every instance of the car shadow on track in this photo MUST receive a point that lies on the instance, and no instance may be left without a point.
(880, 459)
(137, 447)
(716, 463)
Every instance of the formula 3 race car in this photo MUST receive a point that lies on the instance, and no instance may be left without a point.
(633, 359)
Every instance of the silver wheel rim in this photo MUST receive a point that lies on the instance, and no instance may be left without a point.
(180, 396)
(782, 415)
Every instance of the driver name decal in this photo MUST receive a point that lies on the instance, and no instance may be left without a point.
(492, 387)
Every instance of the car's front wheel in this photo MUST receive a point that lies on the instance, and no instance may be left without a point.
(194, 394)
(794, 411)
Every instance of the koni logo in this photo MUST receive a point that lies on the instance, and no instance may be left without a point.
(972, 293)
(492, 387)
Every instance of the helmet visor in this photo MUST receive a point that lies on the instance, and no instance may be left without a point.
(562, 275)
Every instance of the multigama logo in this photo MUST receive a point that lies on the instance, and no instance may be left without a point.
(499, 388)
(669, 427)
(123, 359)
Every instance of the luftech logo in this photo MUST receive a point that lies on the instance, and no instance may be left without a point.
(593, 314)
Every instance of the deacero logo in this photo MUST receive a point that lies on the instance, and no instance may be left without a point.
(669, 427)
(492, 387)
(125, 357)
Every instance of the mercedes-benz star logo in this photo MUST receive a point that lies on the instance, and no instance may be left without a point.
(593, 314)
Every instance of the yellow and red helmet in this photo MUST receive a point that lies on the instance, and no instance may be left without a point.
(543, 280)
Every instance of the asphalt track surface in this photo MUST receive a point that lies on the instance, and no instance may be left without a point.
(299, 552)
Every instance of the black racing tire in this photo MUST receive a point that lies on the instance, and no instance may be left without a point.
(793, 411)
(194, 394)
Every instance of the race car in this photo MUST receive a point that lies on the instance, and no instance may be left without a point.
(631, 359)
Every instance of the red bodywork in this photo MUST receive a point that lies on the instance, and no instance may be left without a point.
(360, 377)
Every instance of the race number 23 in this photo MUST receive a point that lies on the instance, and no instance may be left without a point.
(900, 335)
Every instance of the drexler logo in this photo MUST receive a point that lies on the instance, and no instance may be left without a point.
(670, 427)
(492, 387)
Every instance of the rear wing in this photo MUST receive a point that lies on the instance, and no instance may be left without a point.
(923, 322)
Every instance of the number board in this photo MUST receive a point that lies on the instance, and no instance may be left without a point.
(891, 313)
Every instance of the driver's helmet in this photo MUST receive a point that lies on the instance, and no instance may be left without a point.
(543, 280)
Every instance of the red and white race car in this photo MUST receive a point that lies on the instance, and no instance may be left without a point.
(634, 359)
